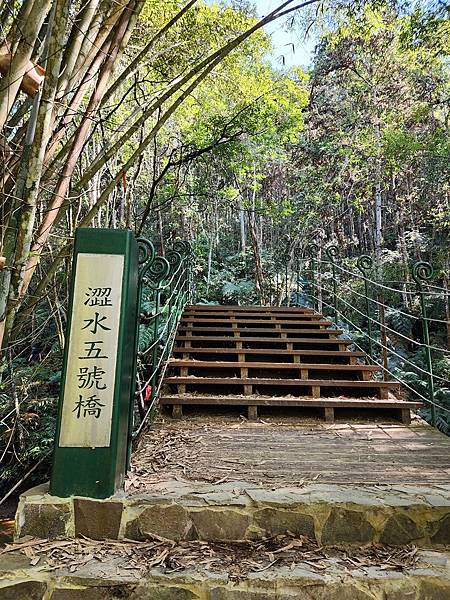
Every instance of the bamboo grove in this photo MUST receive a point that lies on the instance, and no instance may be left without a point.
(178, 120)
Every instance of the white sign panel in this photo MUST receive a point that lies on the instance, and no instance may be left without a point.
(91, 362)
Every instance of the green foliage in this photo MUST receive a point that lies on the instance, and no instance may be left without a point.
(398, 321)
(28, 405)
(241, 292)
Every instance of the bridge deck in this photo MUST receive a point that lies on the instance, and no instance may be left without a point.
(284, 451)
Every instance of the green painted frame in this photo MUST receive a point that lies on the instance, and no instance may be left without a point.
(100, 472)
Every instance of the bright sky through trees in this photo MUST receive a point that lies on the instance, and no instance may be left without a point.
(290, 47)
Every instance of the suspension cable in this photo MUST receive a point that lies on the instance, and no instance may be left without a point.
(379, 343)
(436, 348)
(387, 348)
(379, 364)
(369, 280)
(361, 278)
(397, 310)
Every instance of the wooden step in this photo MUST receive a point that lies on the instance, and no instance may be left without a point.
(253, 315)
(249, 326)
(251, 369)
(233, 331)
(287, 353)
(252, 308)
(263, 340)
(269, 350)
(401, 407)
(304, 368)
(275, 381)
(308, 387)
(256, 318)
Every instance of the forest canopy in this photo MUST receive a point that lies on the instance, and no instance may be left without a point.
(178, 120)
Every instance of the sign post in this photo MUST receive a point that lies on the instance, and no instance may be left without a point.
(97, 385)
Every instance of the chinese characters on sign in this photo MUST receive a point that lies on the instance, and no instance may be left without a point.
(91, 362)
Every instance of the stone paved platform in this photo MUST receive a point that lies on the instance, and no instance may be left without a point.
(214, 486)
(125, 575)
(231, 480)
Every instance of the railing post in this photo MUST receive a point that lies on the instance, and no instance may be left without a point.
(146, 256)
(288, 299)
(184, 249)
(332, 252)
(312, 250)
(423, 272)
(175, 260)
(157, 272)
(190, 274)
(365, 265)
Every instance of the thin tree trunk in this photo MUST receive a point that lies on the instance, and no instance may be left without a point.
(78, 144)
(79, 34)
(200, 72)
(242, 229)
(29, 29)
(132, 68)
(29, 175)
(259, 277)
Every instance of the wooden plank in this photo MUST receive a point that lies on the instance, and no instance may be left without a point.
(230, 330)
(245, 320)
(303, 401)
(252, 413)
(250, 309)
(329, 414)
(177, 411)
(276, 381)
(405, 416)
(315, 391)
(234, 307)
(174, 362)
(287, 354)
(218, 338)
(252, 351)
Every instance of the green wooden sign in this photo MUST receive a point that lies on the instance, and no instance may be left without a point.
(97, 385)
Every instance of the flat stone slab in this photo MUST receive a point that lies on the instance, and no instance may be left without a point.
(177, 510)
(89, 570)
(225, 479)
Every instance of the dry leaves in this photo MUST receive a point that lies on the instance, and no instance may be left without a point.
(188, 451)
(163, 452)
(237, 559)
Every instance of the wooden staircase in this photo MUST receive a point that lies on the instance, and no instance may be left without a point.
(271, 356)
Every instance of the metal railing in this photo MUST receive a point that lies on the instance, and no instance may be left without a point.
(165, 287)
(361, 301)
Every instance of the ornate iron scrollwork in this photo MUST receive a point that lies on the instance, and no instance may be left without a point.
(312, 250)
(182, 247)
(332, 252)
(155, 272)
(174, 259)
(422, 272)
(364, 264)
(147, 251)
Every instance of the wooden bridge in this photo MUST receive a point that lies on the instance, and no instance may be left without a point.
(278, 508)
(272, 356)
